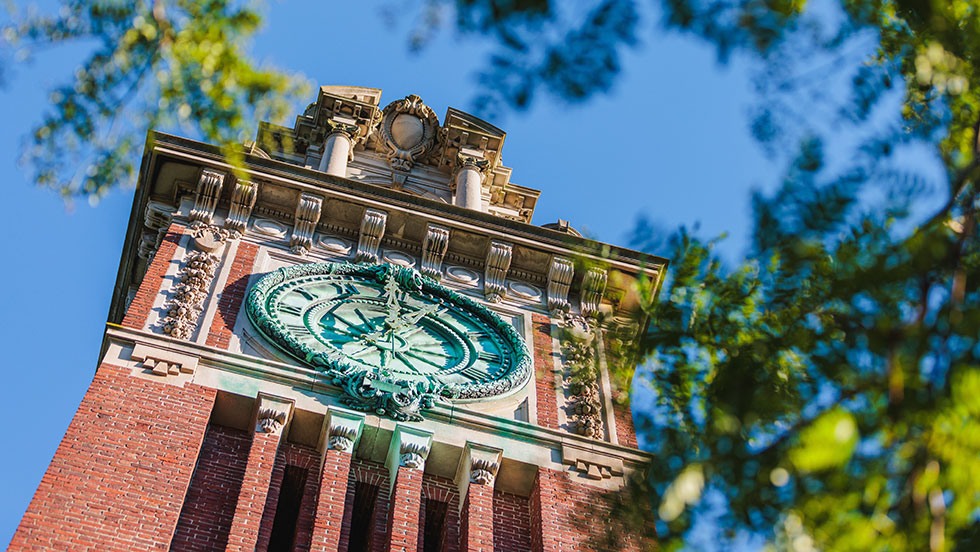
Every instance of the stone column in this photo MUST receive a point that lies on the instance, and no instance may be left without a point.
(272, 416)
(341, 430)
(338, 147)
(407, 454)
(470, 170)
(475, 477)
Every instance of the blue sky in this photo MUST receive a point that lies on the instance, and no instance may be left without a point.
(670, 141)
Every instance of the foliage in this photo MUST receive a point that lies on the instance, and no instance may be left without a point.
(152, 65)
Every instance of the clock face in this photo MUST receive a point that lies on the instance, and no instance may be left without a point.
(391, 323)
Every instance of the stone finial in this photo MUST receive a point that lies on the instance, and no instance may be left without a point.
(206, 198)
(434, 248)
(593, 287)
(307, 215)
(372, 230)
(497, 265)
(243, 197)
(560, 275)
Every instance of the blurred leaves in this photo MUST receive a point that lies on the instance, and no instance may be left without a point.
(160, 64)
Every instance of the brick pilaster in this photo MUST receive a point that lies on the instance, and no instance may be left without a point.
(139, 309)
(271, 418)
(231, 297)
(476, 519)
(403, 519)
(332, 522)
(544, 372)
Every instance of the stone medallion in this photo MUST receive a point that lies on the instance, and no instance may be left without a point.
(408, 131)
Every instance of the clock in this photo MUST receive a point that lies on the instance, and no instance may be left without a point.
(393, 340)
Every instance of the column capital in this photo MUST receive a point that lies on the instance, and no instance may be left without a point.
(341, 431)
(409, 449)
(473, 159)
(478, 465)
(343, 126)
(272, 414)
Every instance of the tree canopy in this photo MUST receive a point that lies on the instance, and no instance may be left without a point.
(822, 393)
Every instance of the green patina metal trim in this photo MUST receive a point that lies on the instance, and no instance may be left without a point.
(371, 390)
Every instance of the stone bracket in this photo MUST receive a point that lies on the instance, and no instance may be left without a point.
(497, 264)
(307, 216)
(434, 248)
(591, 464)
(206, 198)
(243, 198)
(560, 275)
(341, 430)
(478, 465)
(409, 449)
(593, 287)
(272, 414)
(372, 230)
(162, 362)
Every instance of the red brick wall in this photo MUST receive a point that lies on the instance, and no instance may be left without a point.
(544, 363)
(476, 519)
(291, 454)
(210, 505)
(333, 501)
(568, 516)
(230, 299)
(625, 431)
(406, 502)
(139, 309)
(119, 477)
(511, 522)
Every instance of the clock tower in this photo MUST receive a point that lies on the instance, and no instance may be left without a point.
(352, 338)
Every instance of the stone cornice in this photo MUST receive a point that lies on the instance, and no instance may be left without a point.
(308, 381)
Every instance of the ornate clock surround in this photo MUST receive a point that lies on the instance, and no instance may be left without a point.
(367, 387)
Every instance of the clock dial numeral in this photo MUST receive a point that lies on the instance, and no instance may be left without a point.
(306, 294)
(298, 328)
(474, 373)
(487, 356)
(290, 309)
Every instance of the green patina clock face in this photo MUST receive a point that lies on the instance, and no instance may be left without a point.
(390, 329)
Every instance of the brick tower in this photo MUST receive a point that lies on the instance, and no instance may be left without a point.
(356, 340)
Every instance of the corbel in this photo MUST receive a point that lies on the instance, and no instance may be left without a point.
(592, 465)
(341, 431)
(497, 264)
(372, 230)
(478, 465)
(409, 449)
(272, 414)
(560, 275)
(593, 286)
(434, 248)
(206, 197)
(243, 198)
(162, 362)
(307, 215)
